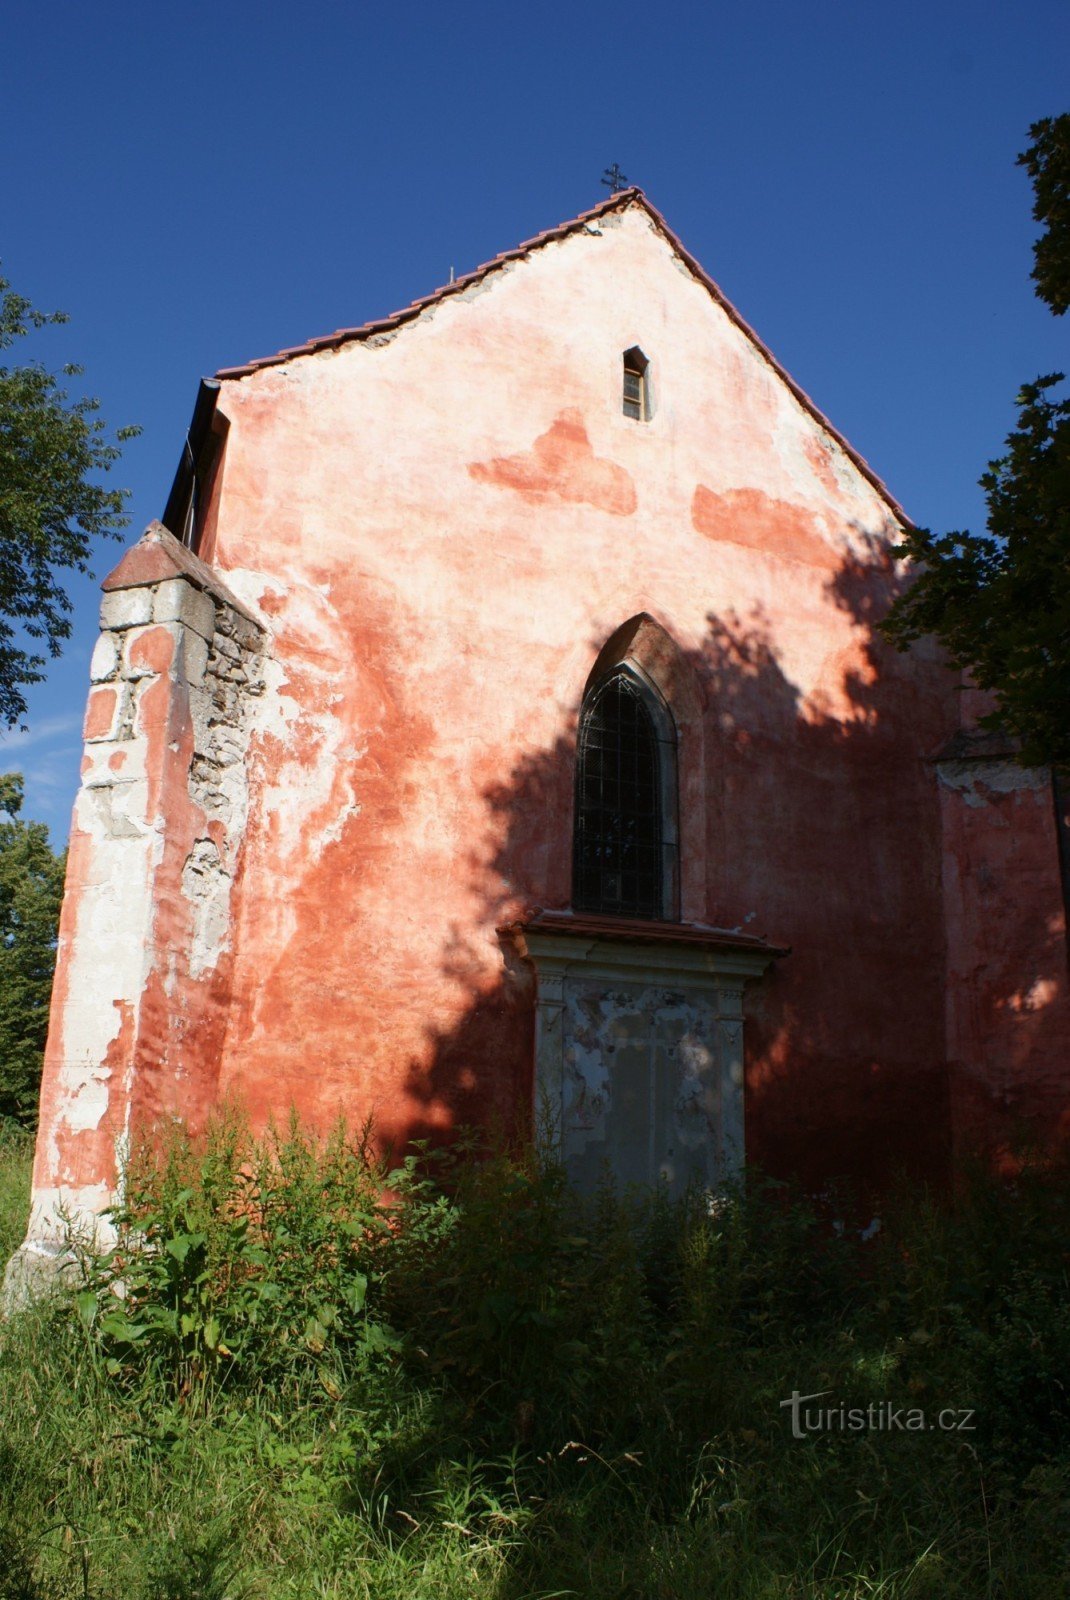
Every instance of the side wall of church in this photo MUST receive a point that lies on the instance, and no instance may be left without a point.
(1008, 999)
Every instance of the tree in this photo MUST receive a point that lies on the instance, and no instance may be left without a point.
(1047, 161)
(31, 889)
(52, 511)
(1000, 601)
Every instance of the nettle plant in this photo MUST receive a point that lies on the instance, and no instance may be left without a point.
(241, 1261)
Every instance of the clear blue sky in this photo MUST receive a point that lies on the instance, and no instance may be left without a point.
(204, 183)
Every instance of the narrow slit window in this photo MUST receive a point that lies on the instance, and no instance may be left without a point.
(636, 388)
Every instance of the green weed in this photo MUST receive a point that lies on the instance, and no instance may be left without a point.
(301, 1372)
(16, 1160)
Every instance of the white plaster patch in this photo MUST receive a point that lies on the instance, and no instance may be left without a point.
(114, 811)
(350, 809)
(53, 1205)
(303, 799)
(114, 762)
(251, 587)
(977, 780)
(87, 1104)
(206, 885)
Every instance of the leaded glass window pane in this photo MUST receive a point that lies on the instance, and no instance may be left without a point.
(617, 866)
(633, 394)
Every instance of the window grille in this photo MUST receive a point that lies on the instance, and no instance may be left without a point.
(618, 849)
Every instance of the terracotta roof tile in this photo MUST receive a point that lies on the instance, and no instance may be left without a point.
(616, 202)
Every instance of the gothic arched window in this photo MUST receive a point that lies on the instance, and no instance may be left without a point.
(624, 848)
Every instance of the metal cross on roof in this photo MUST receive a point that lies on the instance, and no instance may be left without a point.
(614, 179)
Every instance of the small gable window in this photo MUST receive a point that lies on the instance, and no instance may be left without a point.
(624, 844)
(636, 386)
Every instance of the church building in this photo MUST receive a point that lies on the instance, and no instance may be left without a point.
(495, 732)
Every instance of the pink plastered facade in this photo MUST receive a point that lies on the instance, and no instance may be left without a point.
(323, 854)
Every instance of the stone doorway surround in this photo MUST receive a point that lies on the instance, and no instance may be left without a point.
(639, 1045)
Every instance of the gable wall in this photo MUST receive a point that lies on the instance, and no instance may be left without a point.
(442, 530)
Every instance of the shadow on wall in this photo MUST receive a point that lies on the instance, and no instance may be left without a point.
(822, 831)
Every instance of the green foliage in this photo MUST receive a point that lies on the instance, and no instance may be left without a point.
(31, 890)
(1000, 601)
(201, 1565)
(1047, 161)
(16, 1162)
(575, 1397)
(248, 1261)
(52, 511)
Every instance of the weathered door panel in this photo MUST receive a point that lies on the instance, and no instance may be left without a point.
(641, 1085)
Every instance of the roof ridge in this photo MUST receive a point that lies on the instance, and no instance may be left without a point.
(620, 201)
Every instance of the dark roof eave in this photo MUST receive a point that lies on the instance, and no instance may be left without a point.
(200, 424)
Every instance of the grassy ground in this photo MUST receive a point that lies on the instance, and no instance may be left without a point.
(16, 1159)
(478, 1389)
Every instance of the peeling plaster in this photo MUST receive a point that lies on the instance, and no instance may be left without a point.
(977, 780)
(641, 1085)
(206, 884)
(87, 1103)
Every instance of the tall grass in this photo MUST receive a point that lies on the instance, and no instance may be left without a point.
(302, 1374)
(16, 1160)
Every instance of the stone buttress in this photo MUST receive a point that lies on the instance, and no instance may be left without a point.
(145, 955)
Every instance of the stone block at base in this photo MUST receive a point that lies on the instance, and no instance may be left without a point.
(39, 1267)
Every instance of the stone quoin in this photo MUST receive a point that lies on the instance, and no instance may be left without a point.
(497, 733)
